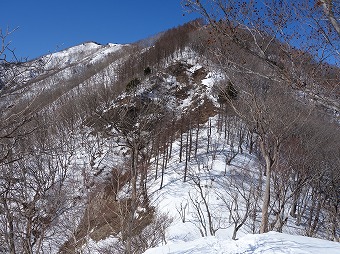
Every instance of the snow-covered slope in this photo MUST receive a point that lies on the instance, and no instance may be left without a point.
(221, 182)
(268, 243)
(89, 52)
(176, 198)
(60, 72)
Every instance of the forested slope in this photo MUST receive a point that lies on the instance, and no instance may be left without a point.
(96, 144)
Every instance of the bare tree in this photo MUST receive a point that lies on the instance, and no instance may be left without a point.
(268, 65)
(131, 125)
(239, 195)
(35, 157)
(34, 191)
(205, 215)
(294, 42)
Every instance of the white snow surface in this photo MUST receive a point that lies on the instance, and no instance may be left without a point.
(268, 243)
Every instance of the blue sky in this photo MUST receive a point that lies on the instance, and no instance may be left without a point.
(48, 25)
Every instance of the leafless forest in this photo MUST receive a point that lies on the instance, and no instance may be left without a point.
(80, 142)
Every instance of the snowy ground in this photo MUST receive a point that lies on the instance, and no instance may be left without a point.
(268, 243)
(184, 238)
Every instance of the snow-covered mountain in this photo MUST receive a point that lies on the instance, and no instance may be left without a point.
(87, 52)
(59, 72)
(113, 147)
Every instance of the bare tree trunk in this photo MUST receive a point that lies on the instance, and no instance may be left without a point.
(27, 241)
(170, 147)
(163, 165)
(190, 142)
(167, 157)
(197, 133)
(313, 224)
(133, 207)
(186, 158)
(209, 136)
(251, 141)
(157, 160)
(266, 195)
(294, 204)
(181, 145)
